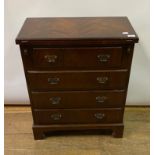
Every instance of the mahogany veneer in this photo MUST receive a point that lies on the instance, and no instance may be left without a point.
(77, 72)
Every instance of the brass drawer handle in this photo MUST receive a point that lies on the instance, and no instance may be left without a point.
(99, 115)
(53, 81)
(51, 58)
(55, 100)
(103, 57)
(56, 116)
(102, 80)
(101, 99)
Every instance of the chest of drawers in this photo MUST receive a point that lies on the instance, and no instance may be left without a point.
(77, 72)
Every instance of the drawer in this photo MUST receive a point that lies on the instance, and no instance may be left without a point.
(74, 58)
(59, 116)
(86, 80)
(78, 99)
(93, 57)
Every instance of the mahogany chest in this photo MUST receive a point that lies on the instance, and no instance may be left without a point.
(77, 72)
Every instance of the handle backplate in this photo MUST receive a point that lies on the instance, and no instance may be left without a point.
(99, 115)
(56, 116)
(55, 100)
(101, 99)
(53, 80)
(50, 58)
(102, 80)
(103, 57)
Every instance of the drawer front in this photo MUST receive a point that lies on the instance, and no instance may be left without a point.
(58, 116)
(77, 99)
(77, 80)
(93, 57)
(77, 58)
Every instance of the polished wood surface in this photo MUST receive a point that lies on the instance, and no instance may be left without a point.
(76, 57)
(73, 80)
(78, 99)
(69, 58)
(73, 61)
(56, 116)
(76, 28)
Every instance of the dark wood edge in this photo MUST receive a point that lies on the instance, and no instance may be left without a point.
(75, 41)
(76, 71)
(40, 130)
(71, 126)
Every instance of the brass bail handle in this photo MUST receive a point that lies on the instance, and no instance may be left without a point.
(56, 116)
(55, 100)
(54, 80)
(103, 57)
(102, 80)
(99, 115)
(51, 58)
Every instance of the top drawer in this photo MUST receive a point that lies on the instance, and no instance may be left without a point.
(77, 58)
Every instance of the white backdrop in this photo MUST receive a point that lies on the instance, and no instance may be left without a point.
(17, 10)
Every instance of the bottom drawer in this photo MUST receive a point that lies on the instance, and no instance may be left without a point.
(58, 116)
(78, 99)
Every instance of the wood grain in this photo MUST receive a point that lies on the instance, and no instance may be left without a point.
(77, 54)
(78, 80)
(75, 28)
(78, 99)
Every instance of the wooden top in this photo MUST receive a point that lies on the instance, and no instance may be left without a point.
(81, 28)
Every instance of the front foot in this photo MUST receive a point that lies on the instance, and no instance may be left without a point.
(118, 132)
(38, 135)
